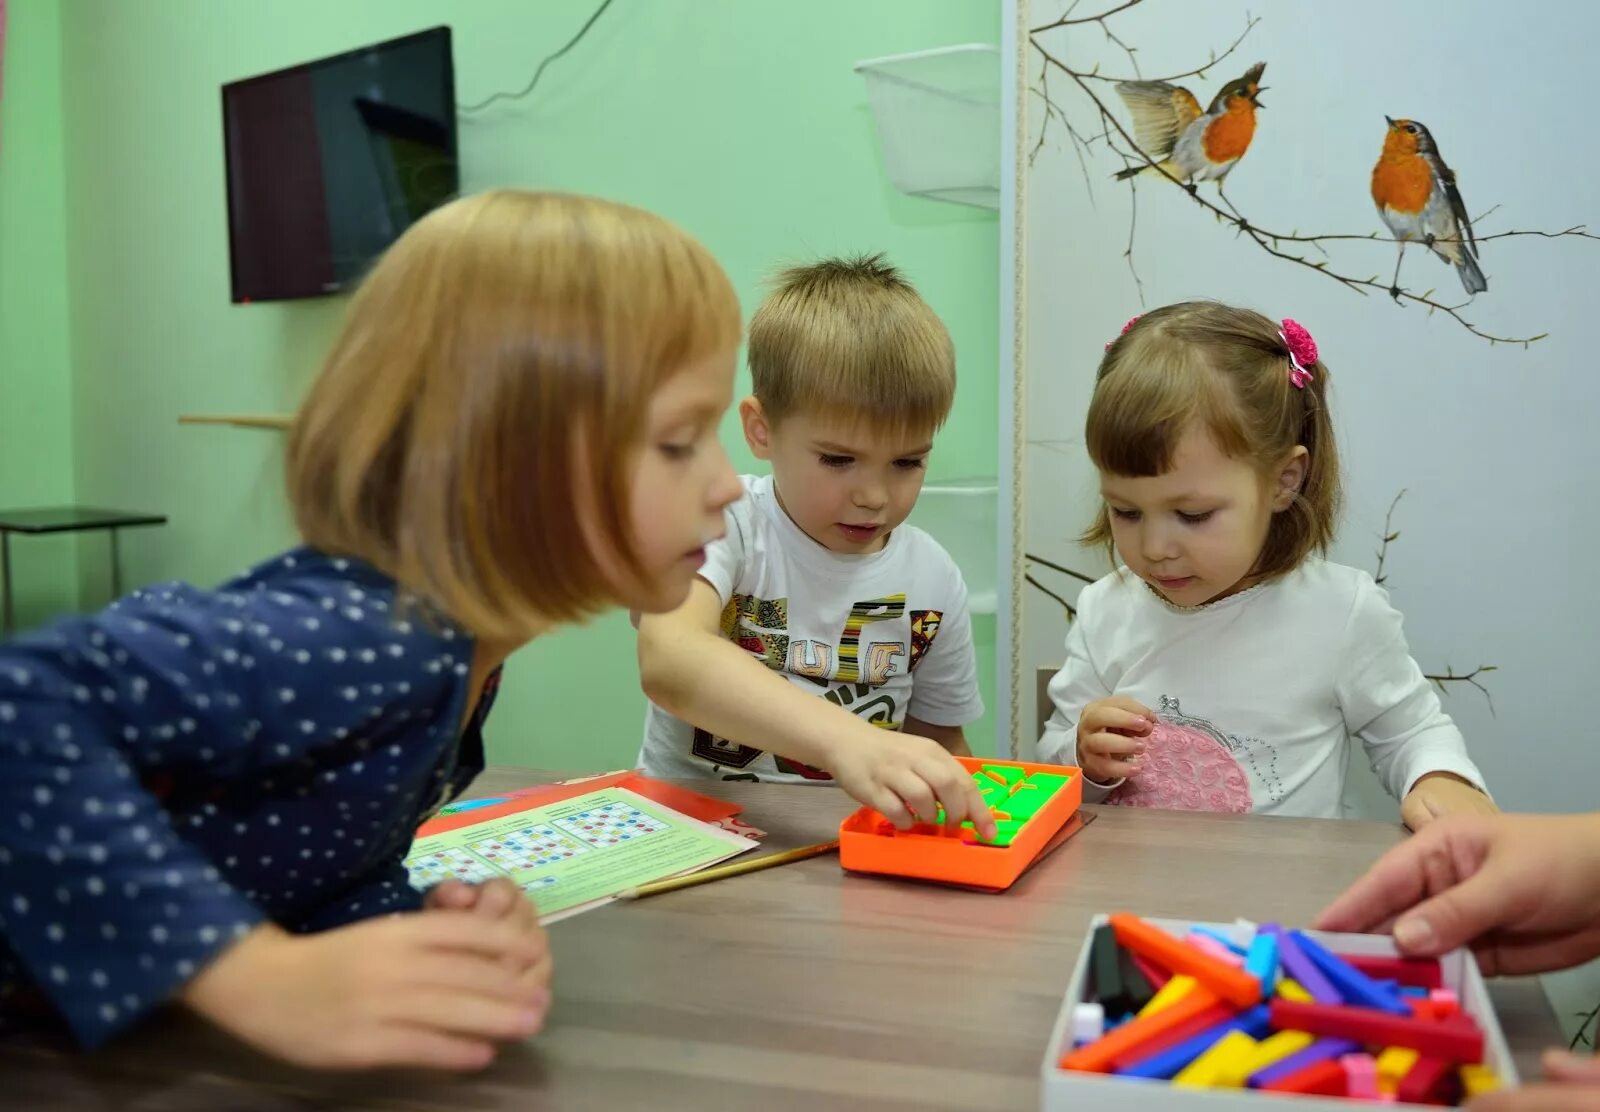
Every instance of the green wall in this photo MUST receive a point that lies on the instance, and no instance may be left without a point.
(739, 119)
(35, 365)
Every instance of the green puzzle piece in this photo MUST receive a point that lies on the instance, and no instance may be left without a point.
(1012, 775)
(1022, 805)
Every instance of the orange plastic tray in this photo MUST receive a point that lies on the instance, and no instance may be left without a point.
(868, 843)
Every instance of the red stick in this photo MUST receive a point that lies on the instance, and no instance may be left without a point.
(1456, 1042)
(1416, 972)
(1427, 1081)
(1157, 976)
(1324, 1079)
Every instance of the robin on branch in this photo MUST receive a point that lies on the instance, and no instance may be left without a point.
(1417, 197)
(1184, 142)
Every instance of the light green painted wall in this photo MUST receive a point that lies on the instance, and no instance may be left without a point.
(35, 369)
(739, 119)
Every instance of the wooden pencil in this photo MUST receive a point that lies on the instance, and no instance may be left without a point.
(738, 868)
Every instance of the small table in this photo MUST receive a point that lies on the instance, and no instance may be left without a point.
(64, 519)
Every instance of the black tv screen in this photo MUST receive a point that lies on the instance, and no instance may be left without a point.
(328, 162)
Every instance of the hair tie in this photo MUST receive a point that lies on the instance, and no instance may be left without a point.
(1131, 322)
(1302, 352)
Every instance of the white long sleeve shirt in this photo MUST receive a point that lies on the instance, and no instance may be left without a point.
(1257, 696)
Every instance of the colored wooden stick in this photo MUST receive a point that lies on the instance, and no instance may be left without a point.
(1457, 1042)
(1290, 989)
(1254, 1024)
(1233, 985)
(1153, 972)
(1275, 1049)
(1297, 965)
(1204, 1020)
(1323, 1079)
(1393, 1064)
(1105, 969)
(1208, 945)
(1221, 938)
(1477, 1080)
(1173, 991)
(1352, 984)
(1323, 1050)
(1408, 971)
(1097, 1056)
(1213, 1068)
(1261, 960)
(1429, 1081)
(1137, 986)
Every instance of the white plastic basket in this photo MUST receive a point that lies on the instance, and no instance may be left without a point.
(938, 119)
(963, 515)
(1065, 1091)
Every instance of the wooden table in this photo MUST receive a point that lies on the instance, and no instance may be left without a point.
(794, 988)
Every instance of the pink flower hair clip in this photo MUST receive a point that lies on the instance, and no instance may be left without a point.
(1302, 352)
(1131, 322)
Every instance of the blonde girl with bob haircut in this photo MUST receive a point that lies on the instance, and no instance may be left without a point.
(209, 794)
(1226, 665)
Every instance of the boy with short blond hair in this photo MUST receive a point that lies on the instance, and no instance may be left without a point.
(827, 640)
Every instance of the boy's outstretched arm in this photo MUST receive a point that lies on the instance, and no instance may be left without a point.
(952, 738)
(692, 672)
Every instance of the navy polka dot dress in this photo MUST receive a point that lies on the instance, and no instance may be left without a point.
(189, 763)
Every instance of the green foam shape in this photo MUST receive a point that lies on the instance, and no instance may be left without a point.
(1022, 806)
(1011, 774)
(1006, 833)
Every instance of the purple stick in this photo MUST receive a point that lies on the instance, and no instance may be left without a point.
(1297, 965)
(1355, 986)
(1320, 1051)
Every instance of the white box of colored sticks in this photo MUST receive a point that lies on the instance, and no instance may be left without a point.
(1077, 1091)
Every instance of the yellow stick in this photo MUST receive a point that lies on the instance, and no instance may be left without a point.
(738, 868)
(1171, 992)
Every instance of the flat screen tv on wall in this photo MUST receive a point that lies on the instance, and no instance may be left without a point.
(330, 161)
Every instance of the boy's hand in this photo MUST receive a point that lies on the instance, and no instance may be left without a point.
(952, 739)
(1111, 735)
(428, 989)
(496, 899)
(905, 776)
(1439, 794)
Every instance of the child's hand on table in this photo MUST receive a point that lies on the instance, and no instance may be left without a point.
(900, 776)
(497, 899)
(1520, 889)
(1572, 1084)
(1439, 794)
(1111, 735)
(422, 990)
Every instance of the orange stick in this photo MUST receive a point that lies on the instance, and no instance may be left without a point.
(1234, 985)
(1098, 1055)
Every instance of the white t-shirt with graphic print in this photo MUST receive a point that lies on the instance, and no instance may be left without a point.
(1257, 696)
(884, 635)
